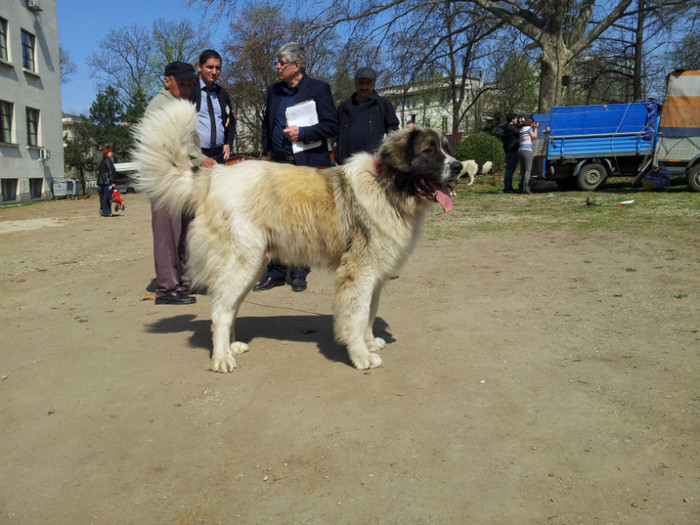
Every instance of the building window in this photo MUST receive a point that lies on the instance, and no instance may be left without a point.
(28, 51)
(426, 122)
(4, 55)
(9, 190)
(5, 122)
(32, 127)
(35, 188)
(444, 124)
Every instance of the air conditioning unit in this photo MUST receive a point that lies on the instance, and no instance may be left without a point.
(33, 5)
(44, 154)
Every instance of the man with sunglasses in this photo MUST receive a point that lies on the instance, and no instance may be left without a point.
(293, 88)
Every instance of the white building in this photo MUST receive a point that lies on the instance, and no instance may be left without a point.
(31, 144)
(430, 104)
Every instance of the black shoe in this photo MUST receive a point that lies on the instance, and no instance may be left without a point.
(298, 285)
(267, 284)
(152, 286)
(176, 298)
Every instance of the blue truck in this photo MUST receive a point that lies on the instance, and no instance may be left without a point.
(581, 146)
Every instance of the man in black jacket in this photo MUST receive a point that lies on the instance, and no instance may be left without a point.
(295, 87)
(216, 126)
(511, 143)
(291, 143)
(364, 118)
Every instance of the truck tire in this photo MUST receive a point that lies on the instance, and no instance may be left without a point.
(591, 177)
(693, 178)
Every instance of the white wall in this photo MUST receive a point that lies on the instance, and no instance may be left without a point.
(39, 90)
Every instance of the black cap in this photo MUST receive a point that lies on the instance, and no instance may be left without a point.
(179, 70)
(366, 72)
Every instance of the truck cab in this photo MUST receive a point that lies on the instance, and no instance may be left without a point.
(678, 145)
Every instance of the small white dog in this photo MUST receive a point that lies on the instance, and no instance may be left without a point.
(472, 168)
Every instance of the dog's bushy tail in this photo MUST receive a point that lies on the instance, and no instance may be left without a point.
(163, 142)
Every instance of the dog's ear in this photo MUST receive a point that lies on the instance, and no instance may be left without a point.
(397, 150)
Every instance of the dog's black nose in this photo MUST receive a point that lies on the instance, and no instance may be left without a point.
(455, 167)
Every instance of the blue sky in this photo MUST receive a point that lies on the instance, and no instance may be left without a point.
(81, 25)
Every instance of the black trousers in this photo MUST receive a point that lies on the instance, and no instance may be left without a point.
(275, 269)
(215, 153)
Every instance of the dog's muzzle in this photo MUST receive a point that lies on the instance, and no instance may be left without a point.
(455, 169)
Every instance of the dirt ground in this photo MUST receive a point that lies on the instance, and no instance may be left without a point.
(530, 378)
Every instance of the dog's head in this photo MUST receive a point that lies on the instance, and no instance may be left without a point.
(416, 162)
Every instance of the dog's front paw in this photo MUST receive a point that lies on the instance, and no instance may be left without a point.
(375, 344)
(223, 364)
(368, 361)
(238, 348)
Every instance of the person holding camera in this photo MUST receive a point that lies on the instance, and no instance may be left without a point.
(511, 144)
(527, 133)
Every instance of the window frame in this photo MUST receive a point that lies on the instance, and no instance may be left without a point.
(33, 127)
(4, 48)
(6, 122)
(29, 51)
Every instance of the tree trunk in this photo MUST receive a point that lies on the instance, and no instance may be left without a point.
(638, 54)
(556, 62)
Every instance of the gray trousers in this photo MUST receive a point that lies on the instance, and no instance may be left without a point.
(525, 157)
(169, 251)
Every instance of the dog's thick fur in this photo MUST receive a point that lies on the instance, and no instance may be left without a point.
(473, 168)
(361, 220)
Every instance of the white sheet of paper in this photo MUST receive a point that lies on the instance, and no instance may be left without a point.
(303, 114)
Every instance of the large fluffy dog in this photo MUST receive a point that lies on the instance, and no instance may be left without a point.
(361, 220)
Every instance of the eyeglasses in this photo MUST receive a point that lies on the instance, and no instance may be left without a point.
(281, 64)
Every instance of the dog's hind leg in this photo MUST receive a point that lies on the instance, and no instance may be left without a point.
(374, 343)
(353, 306)
(228, 293)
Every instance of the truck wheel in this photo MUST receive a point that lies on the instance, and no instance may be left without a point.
(694, 178)
(591, 177)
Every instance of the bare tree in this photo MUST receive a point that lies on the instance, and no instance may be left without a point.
(68, 67)
(253, 40)
(123, 62)
(560, 29)
(132, 59)
(176, 40)
(629, 52)
(446, 59)
(686, 53)
(250, 48)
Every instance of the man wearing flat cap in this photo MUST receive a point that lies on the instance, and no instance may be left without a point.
(364, 118)
(169, 232)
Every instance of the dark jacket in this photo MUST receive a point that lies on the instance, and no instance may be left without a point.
(106, 173)
(227, 117)
(307, 89)
(511, 138)
(380, 119)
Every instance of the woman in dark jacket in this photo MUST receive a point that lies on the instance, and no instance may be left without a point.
(106, 181)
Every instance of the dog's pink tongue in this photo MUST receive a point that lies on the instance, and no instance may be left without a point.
(443, 198)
